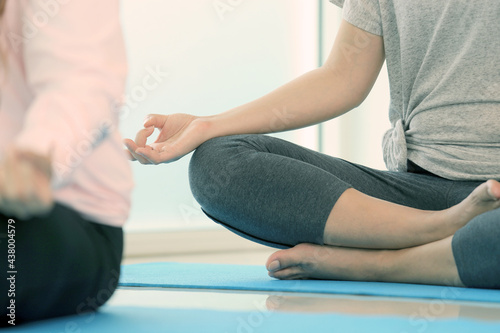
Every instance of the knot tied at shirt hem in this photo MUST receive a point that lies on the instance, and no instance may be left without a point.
(395, 149)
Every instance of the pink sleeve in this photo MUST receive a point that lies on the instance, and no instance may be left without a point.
(75, 64)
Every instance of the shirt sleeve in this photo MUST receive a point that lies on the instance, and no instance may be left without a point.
(75, 66)
(364, 14)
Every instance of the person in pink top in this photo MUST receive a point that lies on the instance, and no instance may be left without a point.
(65, 182)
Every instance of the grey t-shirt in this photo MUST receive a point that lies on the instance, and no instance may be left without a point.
(443, 60)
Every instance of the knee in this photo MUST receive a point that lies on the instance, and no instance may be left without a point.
(206, 155)
(203, 167)
(477, 251)
(213, 165)
(213, 152)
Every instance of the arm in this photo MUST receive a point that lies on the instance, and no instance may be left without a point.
(75, 67)
(340, 85)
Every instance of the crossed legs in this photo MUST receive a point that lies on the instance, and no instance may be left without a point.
(341, 220)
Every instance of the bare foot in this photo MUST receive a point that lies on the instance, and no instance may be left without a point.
(309, 261)
(431, 263)
(361, 221)
(484, 198)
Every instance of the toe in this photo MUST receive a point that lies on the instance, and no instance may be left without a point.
(494, 189)
(290, 263)
(290, 273)
(283, 259)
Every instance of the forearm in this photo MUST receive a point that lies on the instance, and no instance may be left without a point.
(314, 97)
(322, 94)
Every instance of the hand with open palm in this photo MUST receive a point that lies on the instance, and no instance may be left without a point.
(179, 135)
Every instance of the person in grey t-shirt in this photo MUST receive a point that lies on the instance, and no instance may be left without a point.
(432, 218)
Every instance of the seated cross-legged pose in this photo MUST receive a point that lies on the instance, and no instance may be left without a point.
(65, 183)
(432, 218)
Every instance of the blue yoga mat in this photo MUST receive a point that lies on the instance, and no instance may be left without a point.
(243, 277)
(140, 319)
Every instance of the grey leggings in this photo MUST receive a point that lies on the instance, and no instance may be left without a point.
(279, 194)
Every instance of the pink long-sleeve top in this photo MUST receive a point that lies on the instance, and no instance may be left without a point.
(62, 78)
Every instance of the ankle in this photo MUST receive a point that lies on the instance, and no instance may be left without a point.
(384, 266)
(434, 225)
(377, 267)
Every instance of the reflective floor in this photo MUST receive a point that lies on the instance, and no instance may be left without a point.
(413, 309)
(416, 310)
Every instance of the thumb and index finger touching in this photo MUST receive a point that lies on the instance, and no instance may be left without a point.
(151, 122)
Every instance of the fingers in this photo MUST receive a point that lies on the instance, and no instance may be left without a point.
(151, 156)
(155, 153)
(138, 150)
(132, 152)
(129, 155)
(25, 189)
(11, 177)
(41, 198)
(158, 154)
(131, 147)
(155, 120)
(14, 187)
(140, 141)
(142, 136)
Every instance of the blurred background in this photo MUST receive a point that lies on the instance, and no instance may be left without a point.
(207, 56)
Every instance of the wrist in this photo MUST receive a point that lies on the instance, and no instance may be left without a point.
(209, 126)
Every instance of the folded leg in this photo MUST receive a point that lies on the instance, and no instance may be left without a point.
(280, 194)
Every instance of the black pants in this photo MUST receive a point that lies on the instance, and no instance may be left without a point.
(56, 265)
